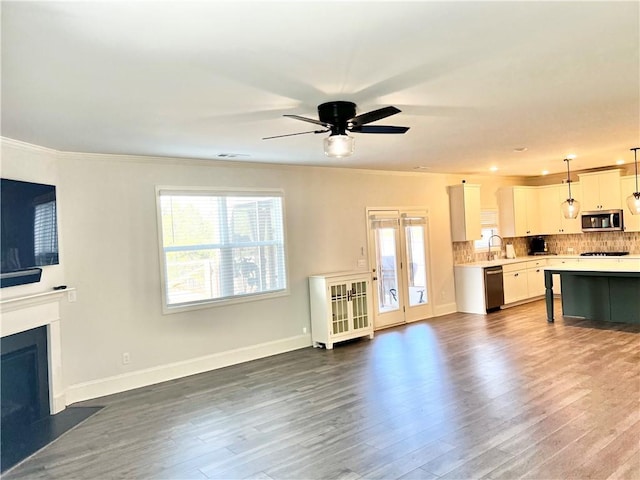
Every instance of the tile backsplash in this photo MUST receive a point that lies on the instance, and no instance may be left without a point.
(464, 252)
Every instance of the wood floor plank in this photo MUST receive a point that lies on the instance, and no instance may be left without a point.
(499, 396)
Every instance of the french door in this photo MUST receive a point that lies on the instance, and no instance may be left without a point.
(398, 254)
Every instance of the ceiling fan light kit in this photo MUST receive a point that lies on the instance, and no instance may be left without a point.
(633, 200)
(338, 146)
(339, 118)
(570, 207)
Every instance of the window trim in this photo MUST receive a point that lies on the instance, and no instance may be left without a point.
(220, 191)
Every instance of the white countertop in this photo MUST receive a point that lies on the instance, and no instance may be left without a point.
(507, 261)
(631, 266)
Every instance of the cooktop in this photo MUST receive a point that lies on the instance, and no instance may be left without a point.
(603, 254)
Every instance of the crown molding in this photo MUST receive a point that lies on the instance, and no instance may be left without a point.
(31, 147)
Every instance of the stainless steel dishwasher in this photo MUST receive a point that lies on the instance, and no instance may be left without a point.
(493, 288)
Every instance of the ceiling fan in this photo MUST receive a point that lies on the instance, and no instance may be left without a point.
(339, 118)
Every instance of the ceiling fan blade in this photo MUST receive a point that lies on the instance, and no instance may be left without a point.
(438, 110)
(310, 120)
(292, 134)
(379, 129)
(373, 115)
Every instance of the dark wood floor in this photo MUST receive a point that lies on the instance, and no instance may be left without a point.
(501, 396)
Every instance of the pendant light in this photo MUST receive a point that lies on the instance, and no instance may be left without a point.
(570, 207)
(633, 200)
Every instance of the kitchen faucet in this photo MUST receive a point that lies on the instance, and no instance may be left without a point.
(489, 254)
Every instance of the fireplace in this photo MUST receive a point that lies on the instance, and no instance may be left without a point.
(33, 396)
(23, 314)
(25, 379)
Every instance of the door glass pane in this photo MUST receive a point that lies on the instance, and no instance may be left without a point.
(387, 269)
(339, 305)
(417, 271)
(359, 302)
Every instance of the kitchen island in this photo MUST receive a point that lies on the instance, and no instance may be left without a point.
(609, 292)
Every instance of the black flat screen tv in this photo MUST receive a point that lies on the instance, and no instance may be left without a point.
(28, 230)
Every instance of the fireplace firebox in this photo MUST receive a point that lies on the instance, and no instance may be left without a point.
(24, 389)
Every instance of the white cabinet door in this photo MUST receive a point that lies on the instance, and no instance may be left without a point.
(535, 282)
(518, 211)
(549, 204)
(532, 211)
(600, 190)
(552, 222)
(515, 286)
(464, 210)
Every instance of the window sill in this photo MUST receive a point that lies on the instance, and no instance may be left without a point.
(188, 307)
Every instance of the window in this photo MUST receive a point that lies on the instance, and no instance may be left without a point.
(219, 246)
(45, 233)
(489, 226)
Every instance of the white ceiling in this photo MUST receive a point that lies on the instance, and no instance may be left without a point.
(474, 80)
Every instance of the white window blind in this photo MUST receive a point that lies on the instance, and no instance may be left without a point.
(220, 246)
(379, 221)
(489, 226)
(45, 233)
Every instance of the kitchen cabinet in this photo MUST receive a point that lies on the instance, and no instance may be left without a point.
(535, 278)
(627, 187)
(464, 210)
(552, 222)
(518, 211)
(523, 280)
(341, 307)
(600, 190)
(514, 278)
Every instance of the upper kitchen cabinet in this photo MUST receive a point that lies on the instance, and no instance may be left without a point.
(519, 211)
(552, 222)
(600, 190)
(631, 222)
(464, 209)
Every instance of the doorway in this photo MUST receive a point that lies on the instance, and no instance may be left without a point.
(398, 254)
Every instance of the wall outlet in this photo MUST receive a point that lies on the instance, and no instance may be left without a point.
(71, 296)
(126, 358)
(304, 330)
(569, 249)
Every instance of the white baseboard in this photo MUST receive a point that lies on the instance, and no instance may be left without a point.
(163, 373)
(444, 309)
(57, 404)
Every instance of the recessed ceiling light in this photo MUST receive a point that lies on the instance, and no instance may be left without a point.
(421, 167)
(619, 162)
(493, 168)
(545, 172)
(520, 149)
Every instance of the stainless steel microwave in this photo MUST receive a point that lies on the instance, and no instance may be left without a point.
(602, 221)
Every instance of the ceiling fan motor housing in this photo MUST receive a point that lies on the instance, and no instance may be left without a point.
(337, 114)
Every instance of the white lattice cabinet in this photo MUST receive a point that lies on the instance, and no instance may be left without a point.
(341, 307)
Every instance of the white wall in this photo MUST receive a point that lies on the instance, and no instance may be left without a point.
(109, 253)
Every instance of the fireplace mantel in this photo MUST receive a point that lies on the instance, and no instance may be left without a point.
(43, 309)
